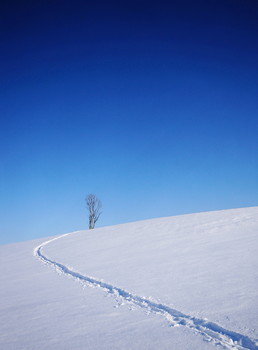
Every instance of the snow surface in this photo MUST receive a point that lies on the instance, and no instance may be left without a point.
(185, 282)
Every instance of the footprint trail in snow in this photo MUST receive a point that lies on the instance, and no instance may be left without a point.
(210, 331)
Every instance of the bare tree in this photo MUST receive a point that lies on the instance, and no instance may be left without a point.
(94, 206)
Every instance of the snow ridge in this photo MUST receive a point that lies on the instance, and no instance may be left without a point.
(210, 331)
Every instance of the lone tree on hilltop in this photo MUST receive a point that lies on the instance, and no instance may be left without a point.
(94, 206)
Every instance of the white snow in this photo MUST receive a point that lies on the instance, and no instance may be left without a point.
(185, 282)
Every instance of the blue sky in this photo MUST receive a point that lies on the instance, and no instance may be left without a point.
(152, 106)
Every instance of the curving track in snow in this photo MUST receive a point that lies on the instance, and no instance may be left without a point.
(211, 331)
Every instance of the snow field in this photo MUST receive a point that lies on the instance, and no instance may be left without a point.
(197, 273)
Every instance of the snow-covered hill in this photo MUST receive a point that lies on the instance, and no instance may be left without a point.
(185, 282)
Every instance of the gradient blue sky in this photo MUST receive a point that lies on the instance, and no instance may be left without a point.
(152, 106)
